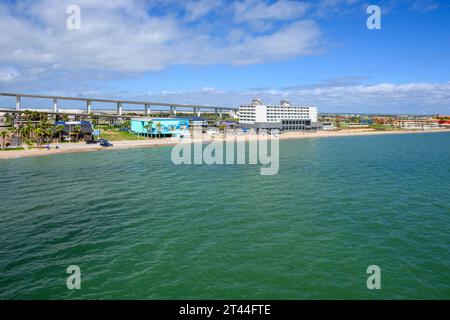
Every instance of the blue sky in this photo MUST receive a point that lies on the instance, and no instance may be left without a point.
(221, 52)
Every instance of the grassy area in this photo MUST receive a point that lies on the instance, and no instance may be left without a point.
(383, 127)
(12, 149)
(117, 135)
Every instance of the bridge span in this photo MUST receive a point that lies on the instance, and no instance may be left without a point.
(172, 107)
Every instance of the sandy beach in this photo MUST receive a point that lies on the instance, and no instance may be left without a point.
(83, 147)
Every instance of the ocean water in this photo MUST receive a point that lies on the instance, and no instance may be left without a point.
(140, 227)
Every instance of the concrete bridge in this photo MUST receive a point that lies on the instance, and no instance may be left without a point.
(146, 105)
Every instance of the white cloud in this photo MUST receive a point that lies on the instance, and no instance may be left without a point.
(428, 98)
(8, 74)
(258, 10)
(199, 8)
(128, 36)
(358, 98)
(302, 36)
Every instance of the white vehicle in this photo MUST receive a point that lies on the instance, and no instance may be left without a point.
(185, 135)
(212, 132)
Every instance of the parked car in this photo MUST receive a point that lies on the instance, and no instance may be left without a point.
(92, 141)
(212, 132)
(185, 135)
(106, 143)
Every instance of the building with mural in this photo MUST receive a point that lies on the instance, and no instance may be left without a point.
(160, 127)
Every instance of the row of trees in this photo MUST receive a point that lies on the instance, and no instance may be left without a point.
(149, 126)
(34, 127)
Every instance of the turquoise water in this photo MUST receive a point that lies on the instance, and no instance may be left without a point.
(140, 227)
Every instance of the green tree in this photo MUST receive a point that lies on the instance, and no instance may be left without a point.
(223, 128)
(29, 129)
(4, 134)
(126, 124)
(148, 127)
(159, 129)
(49, 134)
(59, 129)
(39, 133)
(8, 119)
(12, 131)
(172, 129)
(77, 131)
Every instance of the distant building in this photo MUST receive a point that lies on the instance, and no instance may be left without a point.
(197, 121)
(419, 124)
(70, 127)
(358, 125)
(285, 117)
(327, 125)
(173, 127)
(444, 121)
(234, 114)
(383, 120)
(4, 120)
(367, 121)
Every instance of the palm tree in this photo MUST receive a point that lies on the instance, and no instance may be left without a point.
(59, 129)
(28, 130)
(12, 131)
(23, 132)
(338, 121)
(150, 122)
(8, 119)
(158, 127)
(77, 131)
(39, 132)
(126, 124)
(49, 133)
(172, 129)
(3, 134)
(223, 127)
(148, 127)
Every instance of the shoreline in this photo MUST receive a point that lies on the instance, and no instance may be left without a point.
(129, 144)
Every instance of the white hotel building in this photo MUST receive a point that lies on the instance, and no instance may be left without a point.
(285, 116)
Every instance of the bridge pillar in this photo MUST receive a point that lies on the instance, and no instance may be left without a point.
(198, 112)
(119, 108)
(17, 102)
(88, 106)
(220, 113)
(55, 105)
(147, 109)
(173, 111)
